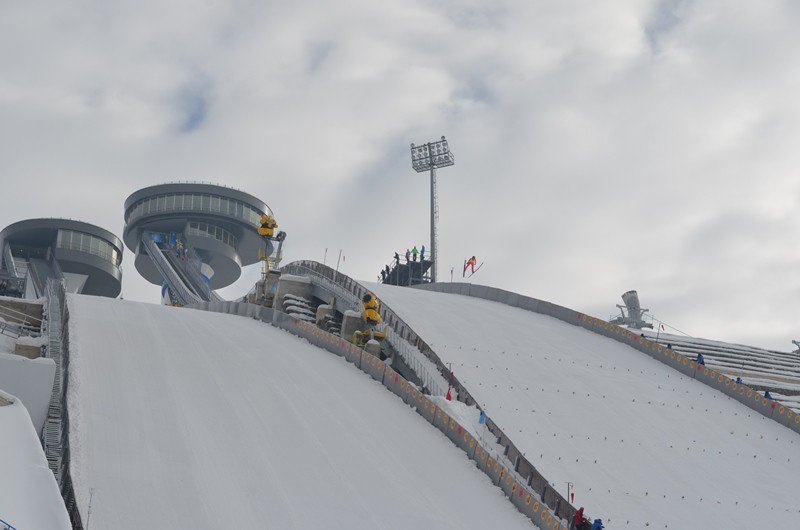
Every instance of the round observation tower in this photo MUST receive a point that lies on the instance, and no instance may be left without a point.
(216, 223)
(86, 256)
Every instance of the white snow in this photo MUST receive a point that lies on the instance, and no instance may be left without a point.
(27, 340)
(294, 278)
(29, 496)
(643, 444)
(31, 380)
(192, 419)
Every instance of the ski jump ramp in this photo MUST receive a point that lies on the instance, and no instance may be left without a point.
(189, 419)
(644, 445)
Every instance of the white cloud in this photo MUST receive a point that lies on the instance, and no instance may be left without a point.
(646, 145)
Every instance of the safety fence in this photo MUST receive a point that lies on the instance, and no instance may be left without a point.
(772, 409)
(521, 493)
(242, 309)
(56, 429)
(347, 289)
(551, 498)
(487, 460)
(6, 526)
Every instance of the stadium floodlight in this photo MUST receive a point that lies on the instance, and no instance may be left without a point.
(430, 157)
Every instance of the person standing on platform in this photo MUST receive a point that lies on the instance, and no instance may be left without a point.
(414, 252)
(397, 258)
(408, 255)
(422, 253)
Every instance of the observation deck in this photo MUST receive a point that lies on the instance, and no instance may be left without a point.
(86, 256)
(217, 222)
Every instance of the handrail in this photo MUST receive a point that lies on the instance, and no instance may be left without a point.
(25, 317)
(55, 435)
(522, 466)
(59, 274)
(7, 526)
(160, 261)
(432, 380)
(9, 259)
(37, 282)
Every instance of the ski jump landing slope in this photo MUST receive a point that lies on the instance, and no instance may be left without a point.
(188, 419)
(645, 446)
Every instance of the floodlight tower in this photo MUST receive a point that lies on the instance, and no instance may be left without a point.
(429, 157)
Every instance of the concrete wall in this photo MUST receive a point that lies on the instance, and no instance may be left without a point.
(31, 380)
(687, 366)
(243, 309)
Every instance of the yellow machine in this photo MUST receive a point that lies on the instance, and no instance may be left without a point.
(266, 230)
(372, 317)
(267, 226)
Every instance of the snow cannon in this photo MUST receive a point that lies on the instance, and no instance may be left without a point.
(371, 308)
(635, 312)
(372, 319)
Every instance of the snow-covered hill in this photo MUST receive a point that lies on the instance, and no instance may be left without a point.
(187, 419)
(644, 445)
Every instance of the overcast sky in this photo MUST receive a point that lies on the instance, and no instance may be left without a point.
(600, 146)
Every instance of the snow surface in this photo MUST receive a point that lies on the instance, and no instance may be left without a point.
(31, 380)
(644, 445)
(29, 496)
(192, 419)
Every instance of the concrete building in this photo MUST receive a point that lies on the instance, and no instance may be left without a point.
(192, 238)
(86, 256)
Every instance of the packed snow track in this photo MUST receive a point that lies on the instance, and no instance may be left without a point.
(188, 419)
(644, 446)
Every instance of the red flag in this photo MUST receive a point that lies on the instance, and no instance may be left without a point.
(448, 397)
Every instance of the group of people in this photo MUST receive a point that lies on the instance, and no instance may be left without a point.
(411, 255)
(177, 246)
(579, 522)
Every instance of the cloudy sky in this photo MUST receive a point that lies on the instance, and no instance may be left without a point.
(600, 146)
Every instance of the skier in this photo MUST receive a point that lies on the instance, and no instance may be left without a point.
(767, 395)
(471, 264)
(408, 255)
(414, 252)
(422, 253)
(598, 524)
(383, 275)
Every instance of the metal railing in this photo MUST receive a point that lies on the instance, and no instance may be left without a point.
(55, 435)
(15, 323)
(521, 465)
(8, 257)
(56, 266)
(353, 291)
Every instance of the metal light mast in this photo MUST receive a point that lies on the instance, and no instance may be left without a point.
(429, 157)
